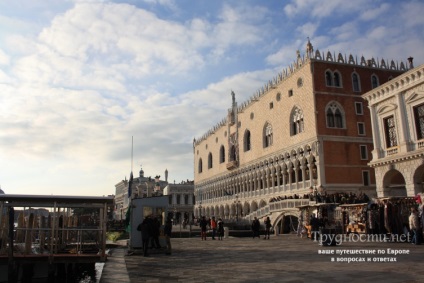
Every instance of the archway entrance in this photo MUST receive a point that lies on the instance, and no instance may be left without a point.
(419, 179)
(287, 224)
(394, 184)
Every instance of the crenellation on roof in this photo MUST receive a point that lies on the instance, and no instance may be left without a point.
(296, 65)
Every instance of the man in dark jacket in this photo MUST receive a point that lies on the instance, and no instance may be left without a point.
(203, 227)
(255, 227)
(155, 224)
(168, 233)
(145, 229)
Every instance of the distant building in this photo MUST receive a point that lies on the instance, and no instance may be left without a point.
(141, 187)
(306, 131)
(181, 200)
(397, 116)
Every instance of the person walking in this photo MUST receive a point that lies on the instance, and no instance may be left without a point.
(155, 223)
(300, 226)
(213, 227)
(314, 227)
(203, 226)
(267, 223)
(255, 227)
(220, 229)
(167, 230)
(414, 225)
(144, 228)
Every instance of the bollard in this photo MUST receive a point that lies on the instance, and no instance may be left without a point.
(226, 232)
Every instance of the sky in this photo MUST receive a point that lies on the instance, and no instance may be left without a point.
(90, 90)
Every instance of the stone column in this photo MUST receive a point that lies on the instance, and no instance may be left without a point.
(404, 138)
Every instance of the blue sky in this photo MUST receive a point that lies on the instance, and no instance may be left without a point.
(78, 79)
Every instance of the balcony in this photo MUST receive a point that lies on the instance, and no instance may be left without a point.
(420, 144)
(392, 150)
(232, 165)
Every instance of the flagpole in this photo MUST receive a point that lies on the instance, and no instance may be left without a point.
(131, 174)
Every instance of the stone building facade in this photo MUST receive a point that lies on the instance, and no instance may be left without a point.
(307, 130)
(397, 115)
(141, 187)
(181, 200)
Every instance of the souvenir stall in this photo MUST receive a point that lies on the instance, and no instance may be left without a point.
(393, 213)
(353, 218)
(326, 214)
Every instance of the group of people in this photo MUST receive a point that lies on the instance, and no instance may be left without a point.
(256, 227)
(150, 232)
(217, 227)
(341, 198)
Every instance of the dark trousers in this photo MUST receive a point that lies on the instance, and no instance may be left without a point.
(155, 242)
(145, 242)
(267, 233)
(416, 236)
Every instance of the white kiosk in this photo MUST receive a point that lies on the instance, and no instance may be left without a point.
(142, 207)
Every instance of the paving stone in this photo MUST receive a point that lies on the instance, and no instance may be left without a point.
(284, 258)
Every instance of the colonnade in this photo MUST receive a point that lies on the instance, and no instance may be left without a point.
(246, 189)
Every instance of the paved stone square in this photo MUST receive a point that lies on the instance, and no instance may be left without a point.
(284, 258)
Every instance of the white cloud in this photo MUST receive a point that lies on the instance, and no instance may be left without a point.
(308, 29)
(287, 54)
(75, 91)
(4, 58)
(374, 13)
(323, 8)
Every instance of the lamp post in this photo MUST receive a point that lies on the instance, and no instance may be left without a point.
(175, 214)
(237, 202)
(315, 191)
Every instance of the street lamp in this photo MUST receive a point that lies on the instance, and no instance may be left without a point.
(175, 214)
(200, 209)
(237, 202)
(315, 191)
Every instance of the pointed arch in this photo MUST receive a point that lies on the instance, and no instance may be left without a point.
(200, 166)
(335, 115)
(296, 121)
(247, 141)
(356, 83)
(267, 135)
(337, 79)
(222, 154)
(232, 153)
(328, 78)
(374, 81)
(210, 164)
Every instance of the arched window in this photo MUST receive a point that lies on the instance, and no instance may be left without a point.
(246, 141)
(330, 118)
(232, 153)
(200, 169)
(328, 78)
(374, 81)
(355, 82)
(210, 160)
(222, 154)
(337, 79)
(296, 120)
(335, 115)
(267, 135)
